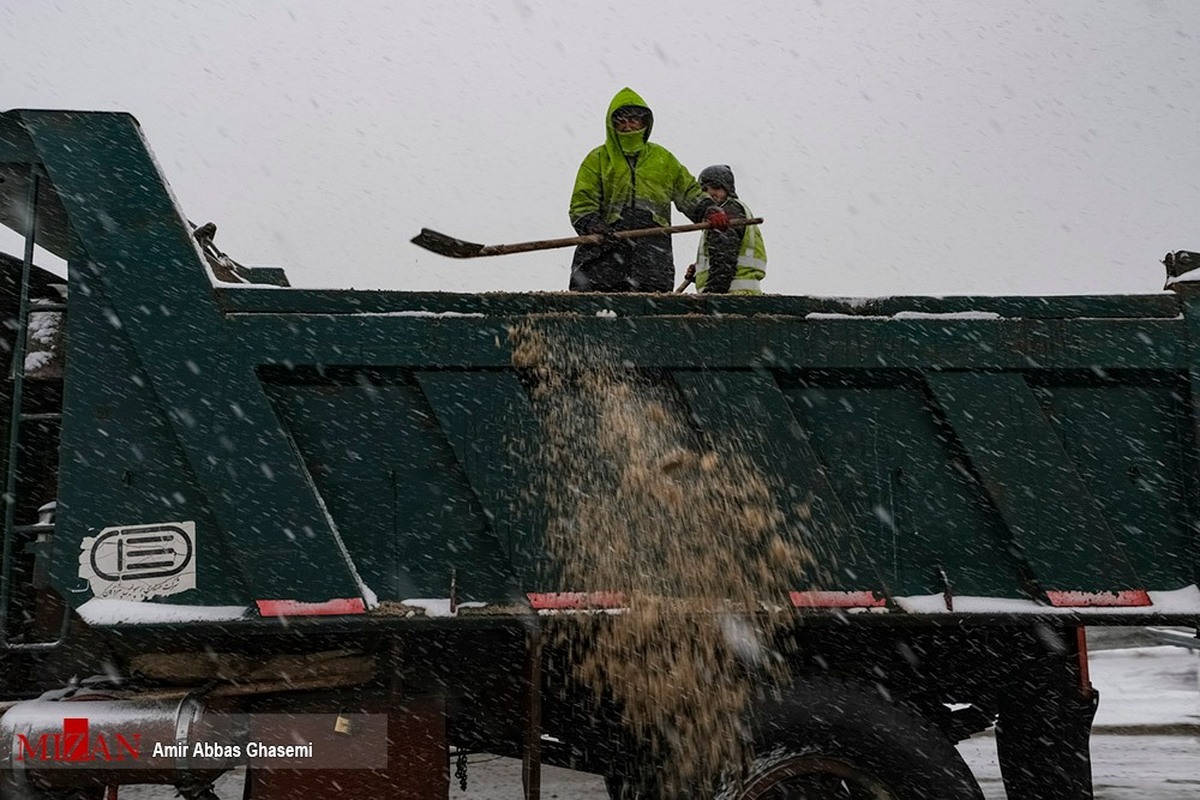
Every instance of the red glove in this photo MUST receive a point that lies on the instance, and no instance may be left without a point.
(718, 219)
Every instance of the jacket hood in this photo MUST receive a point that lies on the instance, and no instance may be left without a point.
(718, 175)
(625, 97)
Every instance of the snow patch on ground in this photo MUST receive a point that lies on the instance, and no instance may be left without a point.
(1147, 686)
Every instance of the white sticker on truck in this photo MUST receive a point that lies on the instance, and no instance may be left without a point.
(137, 562)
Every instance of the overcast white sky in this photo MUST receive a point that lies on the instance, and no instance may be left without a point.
(939, 147)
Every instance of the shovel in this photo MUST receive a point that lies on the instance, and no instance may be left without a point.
(445, 245)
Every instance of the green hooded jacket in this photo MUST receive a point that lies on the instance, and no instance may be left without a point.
(607, 186)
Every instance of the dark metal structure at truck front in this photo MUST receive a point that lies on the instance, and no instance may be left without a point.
(256, 470)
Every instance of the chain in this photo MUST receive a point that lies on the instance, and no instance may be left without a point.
(460, 770)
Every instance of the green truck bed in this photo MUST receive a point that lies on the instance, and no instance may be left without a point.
(244, 453)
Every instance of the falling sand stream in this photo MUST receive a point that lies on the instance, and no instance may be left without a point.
(690, 535)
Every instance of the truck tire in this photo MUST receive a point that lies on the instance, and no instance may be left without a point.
(834, 739)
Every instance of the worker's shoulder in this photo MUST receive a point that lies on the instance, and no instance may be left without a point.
(593, 157)
(656, 150)
(736, 208)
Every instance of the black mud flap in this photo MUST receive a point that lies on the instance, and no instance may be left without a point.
(1042, 737)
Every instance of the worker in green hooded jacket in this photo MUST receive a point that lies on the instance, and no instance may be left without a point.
(629, 183)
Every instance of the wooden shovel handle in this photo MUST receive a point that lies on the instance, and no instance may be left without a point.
(445, 245)
(598, 238)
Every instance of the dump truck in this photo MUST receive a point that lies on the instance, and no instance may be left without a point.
(234, 504)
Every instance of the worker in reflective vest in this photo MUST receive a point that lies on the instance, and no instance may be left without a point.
(730, 261)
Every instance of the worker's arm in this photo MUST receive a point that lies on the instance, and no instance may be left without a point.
(587, 214)
(723, 249)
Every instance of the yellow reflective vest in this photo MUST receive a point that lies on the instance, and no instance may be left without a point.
(751, 262)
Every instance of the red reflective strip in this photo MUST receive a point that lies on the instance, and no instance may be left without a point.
(815, 599)
(574, 600)
(298, 608)
(1125, 597)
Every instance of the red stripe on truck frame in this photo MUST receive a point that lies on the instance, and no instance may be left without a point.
(299, 608)
(562, 601)
(817, 599)
(1124, 597)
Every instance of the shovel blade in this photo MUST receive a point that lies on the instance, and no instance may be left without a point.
(445, 245)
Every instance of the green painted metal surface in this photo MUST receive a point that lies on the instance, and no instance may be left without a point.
(150, 320)
(357, 445)
(1055, 526)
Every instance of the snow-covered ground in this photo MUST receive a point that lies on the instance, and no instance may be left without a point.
(1145, 743)
(1147, 688)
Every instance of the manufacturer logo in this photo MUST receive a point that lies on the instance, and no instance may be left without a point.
(136, 562)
